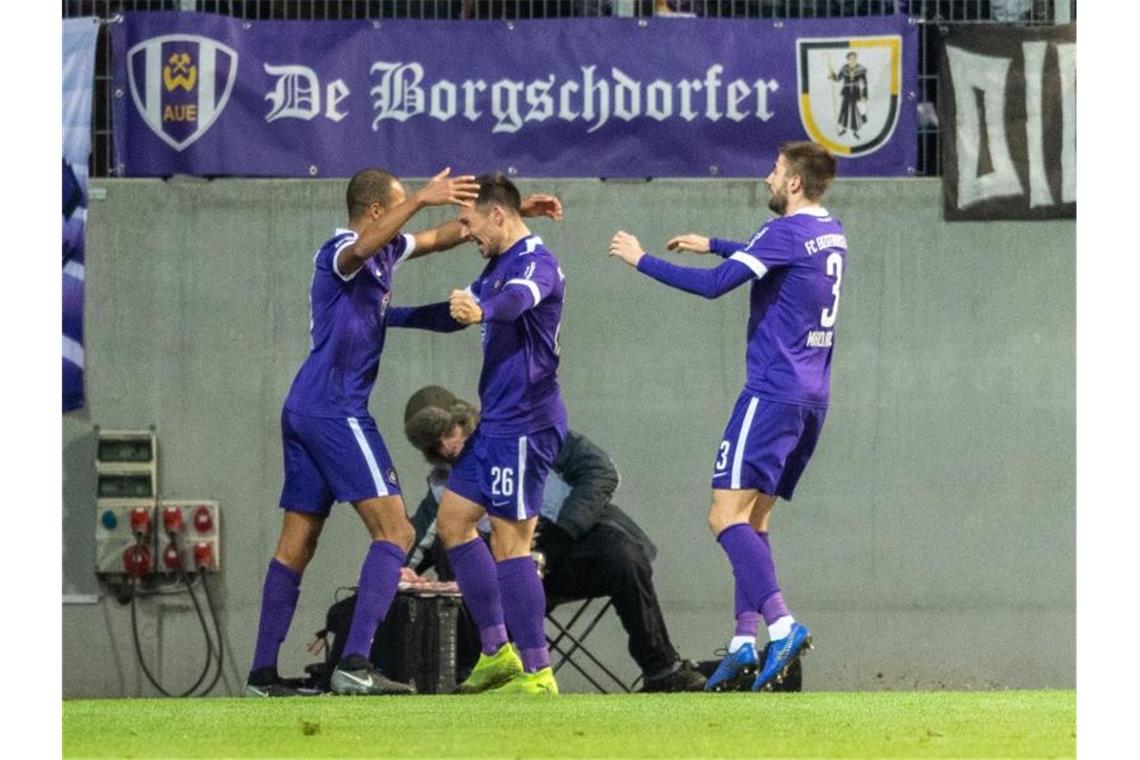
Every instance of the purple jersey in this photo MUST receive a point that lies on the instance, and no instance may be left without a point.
(798, 261)
(346, 329)
(796, 264)
(521, 293)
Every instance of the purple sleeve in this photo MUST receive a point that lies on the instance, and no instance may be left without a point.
(773, 246)
(524, 289)
(398, 249)
(709, 283)
(435, 317)
(724, 248)
(507, 305)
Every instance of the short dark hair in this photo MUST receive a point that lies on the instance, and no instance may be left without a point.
(814, 165)
(366, 187)
(496, 188)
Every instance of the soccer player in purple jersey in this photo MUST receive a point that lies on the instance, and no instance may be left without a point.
(795, 263)
(332, 448)
(502, 469)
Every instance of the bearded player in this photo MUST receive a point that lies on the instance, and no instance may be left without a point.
(795, 263)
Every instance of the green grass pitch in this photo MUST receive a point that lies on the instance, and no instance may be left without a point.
(814, 724)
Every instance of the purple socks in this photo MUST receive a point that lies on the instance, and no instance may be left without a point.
(755, 573)
(379, 577)
(278, 602)
(524, 605)
(475, 572)
(772, 608)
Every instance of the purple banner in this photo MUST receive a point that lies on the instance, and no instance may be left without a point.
(79, 38)
(210, 95)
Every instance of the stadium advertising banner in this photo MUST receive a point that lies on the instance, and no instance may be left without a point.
(210, 95)
(1009, 122)
(79, 35)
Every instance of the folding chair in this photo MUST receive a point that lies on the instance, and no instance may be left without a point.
(569, 643)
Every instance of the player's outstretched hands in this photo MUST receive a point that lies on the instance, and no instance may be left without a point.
(689, 242)
(625, 247)
(541, 204)
(463, 308)
(444, 189)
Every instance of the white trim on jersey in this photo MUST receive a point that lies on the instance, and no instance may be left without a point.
(533, 288)
(531, 244)
(471, 292)
(409, 249)
(336, 254)
(520, 490)
(813, 211)
(369, 457)
(75, 270)
(741, 440)
(750, 261)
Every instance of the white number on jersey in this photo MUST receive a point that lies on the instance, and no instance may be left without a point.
(722, 459)
(502, 481)
(834, 269)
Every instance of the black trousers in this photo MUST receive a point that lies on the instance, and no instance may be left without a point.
(606, 561)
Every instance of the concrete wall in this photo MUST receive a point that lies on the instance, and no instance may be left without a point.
(931, 543)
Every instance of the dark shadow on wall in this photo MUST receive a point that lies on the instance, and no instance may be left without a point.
(79, 509)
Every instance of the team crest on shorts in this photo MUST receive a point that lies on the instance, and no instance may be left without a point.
(849, 91)
(180, 83)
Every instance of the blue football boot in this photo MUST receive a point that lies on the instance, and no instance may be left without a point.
(780, 655)
(734, 670)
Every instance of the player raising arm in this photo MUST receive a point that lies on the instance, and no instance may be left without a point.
(795, 263)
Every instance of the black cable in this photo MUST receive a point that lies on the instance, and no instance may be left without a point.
(217, 630)
(142, 663)
(210, 649)
(205, 630)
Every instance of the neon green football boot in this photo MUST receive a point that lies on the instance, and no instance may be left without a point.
(540, 683)
(492, 671)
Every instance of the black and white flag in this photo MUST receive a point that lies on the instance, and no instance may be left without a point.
(1008, 110)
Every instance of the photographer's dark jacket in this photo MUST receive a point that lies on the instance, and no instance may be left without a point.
(575, 500)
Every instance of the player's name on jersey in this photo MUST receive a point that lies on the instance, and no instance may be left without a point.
(823, 242)
(820, 338)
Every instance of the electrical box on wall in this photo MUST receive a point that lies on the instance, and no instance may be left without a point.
(124, 537)
(126, 471)
(126, 464)
(196, 524)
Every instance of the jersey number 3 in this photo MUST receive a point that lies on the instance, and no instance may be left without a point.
(834, 269)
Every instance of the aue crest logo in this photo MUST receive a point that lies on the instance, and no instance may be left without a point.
(180, 83)
(849, 91)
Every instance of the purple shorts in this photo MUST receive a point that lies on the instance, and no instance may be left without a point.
(766, 446)
(331, 459)
(506, 476)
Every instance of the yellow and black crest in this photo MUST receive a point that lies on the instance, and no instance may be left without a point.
(849, 91)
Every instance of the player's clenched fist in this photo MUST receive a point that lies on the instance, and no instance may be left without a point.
(689, 242)
(625, 247)
(464, 309)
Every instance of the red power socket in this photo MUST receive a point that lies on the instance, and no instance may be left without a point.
(203, 555)
(172, 520)
(203, 520)
(140, 521)
(136, 560)
(172, 558)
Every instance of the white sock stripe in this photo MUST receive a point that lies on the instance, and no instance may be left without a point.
(366, 450)
(741, 440)
(519, 483)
